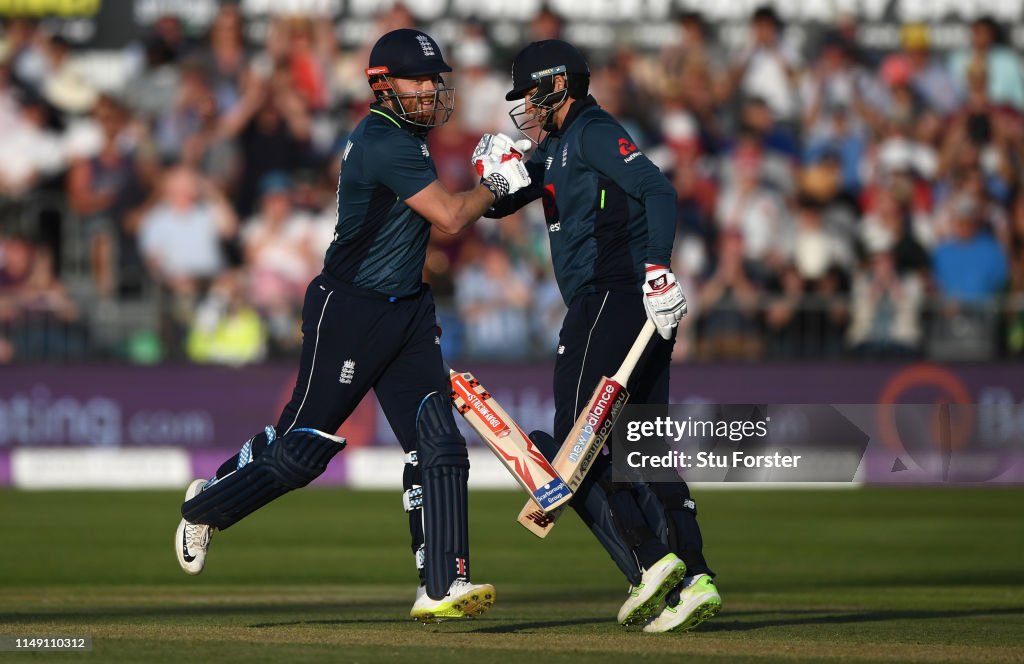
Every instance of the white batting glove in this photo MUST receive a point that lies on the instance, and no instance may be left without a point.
(495, 149)
(663, 299)
(507, 178)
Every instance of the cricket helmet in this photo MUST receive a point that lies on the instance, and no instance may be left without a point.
(408, 53)
(536, 66)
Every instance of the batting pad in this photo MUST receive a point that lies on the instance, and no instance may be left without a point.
(291, 462)
(591, 503)
(446, 528)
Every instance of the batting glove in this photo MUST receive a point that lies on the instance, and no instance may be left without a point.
(507, 178)
(494, 150)
(663, 299)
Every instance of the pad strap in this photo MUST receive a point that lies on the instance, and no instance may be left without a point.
(292, 462)
(413, 498)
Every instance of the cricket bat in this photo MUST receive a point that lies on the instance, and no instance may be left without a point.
(589, 433)
(508, 442)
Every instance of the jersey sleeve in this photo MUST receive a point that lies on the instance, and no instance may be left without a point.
(607, 148)
(398, 162)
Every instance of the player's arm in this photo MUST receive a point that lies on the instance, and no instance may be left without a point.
(448, 212)
(609, 150)
(640, 178)
(400, 165)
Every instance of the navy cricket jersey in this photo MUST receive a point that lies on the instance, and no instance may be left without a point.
(609, 210)
(380, 243)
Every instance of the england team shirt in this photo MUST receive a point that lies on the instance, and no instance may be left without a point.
(380, 243)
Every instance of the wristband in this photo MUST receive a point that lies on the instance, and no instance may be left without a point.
(497, 185)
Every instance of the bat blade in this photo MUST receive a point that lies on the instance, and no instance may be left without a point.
(591, 430)
(580, 449)
(509, 443)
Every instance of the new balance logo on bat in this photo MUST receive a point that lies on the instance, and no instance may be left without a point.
(596, 416)
(540, 518)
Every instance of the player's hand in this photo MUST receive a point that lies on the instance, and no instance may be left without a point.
(494, 150)
(663, 299)
(507, 177)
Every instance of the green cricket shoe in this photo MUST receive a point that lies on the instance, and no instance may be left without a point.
(698, 601)
(464, 600)
(658, 580)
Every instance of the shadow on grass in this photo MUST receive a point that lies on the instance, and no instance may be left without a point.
(539, 624)
(338, 621)
(190, 611)
(811, 617)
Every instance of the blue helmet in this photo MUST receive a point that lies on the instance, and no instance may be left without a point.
(535, 68)
(408, 53)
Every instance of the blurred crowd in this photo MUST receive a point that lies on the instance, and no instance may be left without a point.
(833, 202)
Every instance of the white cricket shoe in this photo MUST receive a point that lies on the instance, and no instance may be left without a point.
(658, 580)
(698, 601)
(464, 600)
(192, 540)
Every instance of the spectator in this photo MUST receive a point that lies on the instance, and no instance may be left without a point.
(175, 124)
(929, 78)
(225, 59)
(768, 68)
(837, 83)
(747, 207)
(476, 79)
(226, 329)
(207, 150)
(450, 147)
(168, 42)
(843, 142)
(101, 188)
(180, 237)
(30, 149)
(278, 255)
(1005, 81)
(757, 118)
(886, 306)
(273, 128)
(305, 65)
(66, 85)
(891, 218)
(493, 296)
(971, 266)
(10, 106)
(816, 248)
(728, 305)
(978, 139)
(38, 320)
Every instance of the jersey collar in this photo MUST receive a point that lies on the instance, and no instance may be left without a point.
(380, 110)
(578, 106)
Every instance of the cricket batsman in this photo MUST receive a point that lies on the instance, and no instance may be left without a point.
(368, 322)
(611, 217)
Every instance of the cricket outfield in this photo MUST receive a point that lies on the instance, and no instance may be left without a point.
(869, 575)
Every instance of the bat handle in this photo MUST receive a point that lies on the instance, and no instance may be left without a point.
(633, 356)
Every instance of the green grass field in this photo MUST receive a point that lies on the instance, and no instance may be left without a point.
(853, 576)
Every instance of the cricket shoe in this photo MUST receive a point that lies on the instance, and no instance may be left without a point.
(698, 601)
(658, 580)
(192, 540)
(464, 600)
